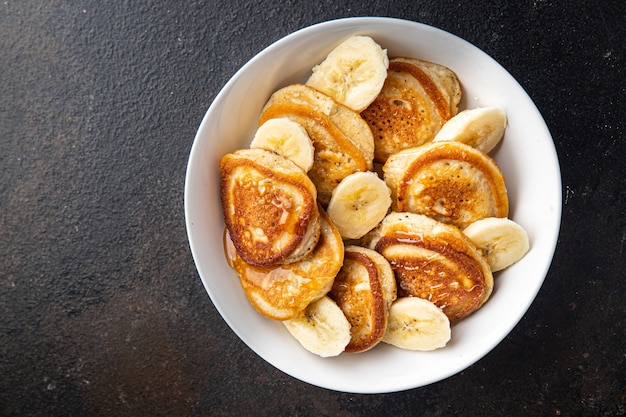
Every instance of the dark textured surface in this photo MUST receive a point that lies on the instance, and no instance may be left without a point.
(101, 309)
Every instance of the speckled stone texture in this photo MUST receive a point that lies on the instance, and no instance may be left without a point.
(102, 312)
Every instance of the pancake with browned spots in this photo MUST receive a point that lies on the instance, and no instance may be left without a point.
(364, 289)
(434, 261)
(448, 181)
(418, 97)
(282, 292)
(269, 207)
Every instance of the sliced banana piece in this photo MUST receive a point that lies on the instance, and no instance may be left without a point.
(358, 203)
(417, 324)
(322, 329)
(287, 138)
(502, 241)
(353, 73)
(481, 128)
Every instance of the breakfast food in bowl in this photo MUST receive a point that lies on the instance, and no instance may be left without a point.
(525, 156)
(310, 225)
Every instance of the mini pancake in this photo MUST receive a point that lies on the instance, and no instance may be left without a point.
(282, 292)
(364, 289)
(434, 261)
(342, 140)
(418, 97)
(448, 181)
(269, 207)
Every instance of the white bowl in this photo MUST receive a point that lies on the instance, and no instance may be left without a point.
(526, 156)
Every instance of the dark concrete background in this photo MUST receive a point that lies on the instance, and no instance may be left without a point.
(101, 310)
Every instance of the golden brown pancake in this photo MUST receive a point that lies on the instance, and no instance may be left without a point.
(434, 261)
(364, 290)
(448, 181)
(282, 292)
(342, 140)
(418, 97)
(269, 206)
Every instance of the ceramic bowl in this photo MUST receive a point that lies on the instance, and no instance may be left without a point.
(526, 156)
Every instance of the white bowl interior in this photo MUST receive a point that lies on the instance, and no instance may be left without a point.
(526, 156)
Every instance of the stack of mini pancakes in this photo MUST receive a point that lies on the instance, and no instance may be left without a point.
(336, 292)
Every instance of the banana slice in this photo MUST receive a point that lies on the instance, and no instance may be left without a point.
(287, 138)
(353, 73)
(322, 329)
(502, 241)
(481, 128)
(417, 324)
(358, 203)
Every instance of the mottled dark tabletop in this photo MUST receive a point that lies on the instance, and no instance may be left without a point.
(102, 312)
